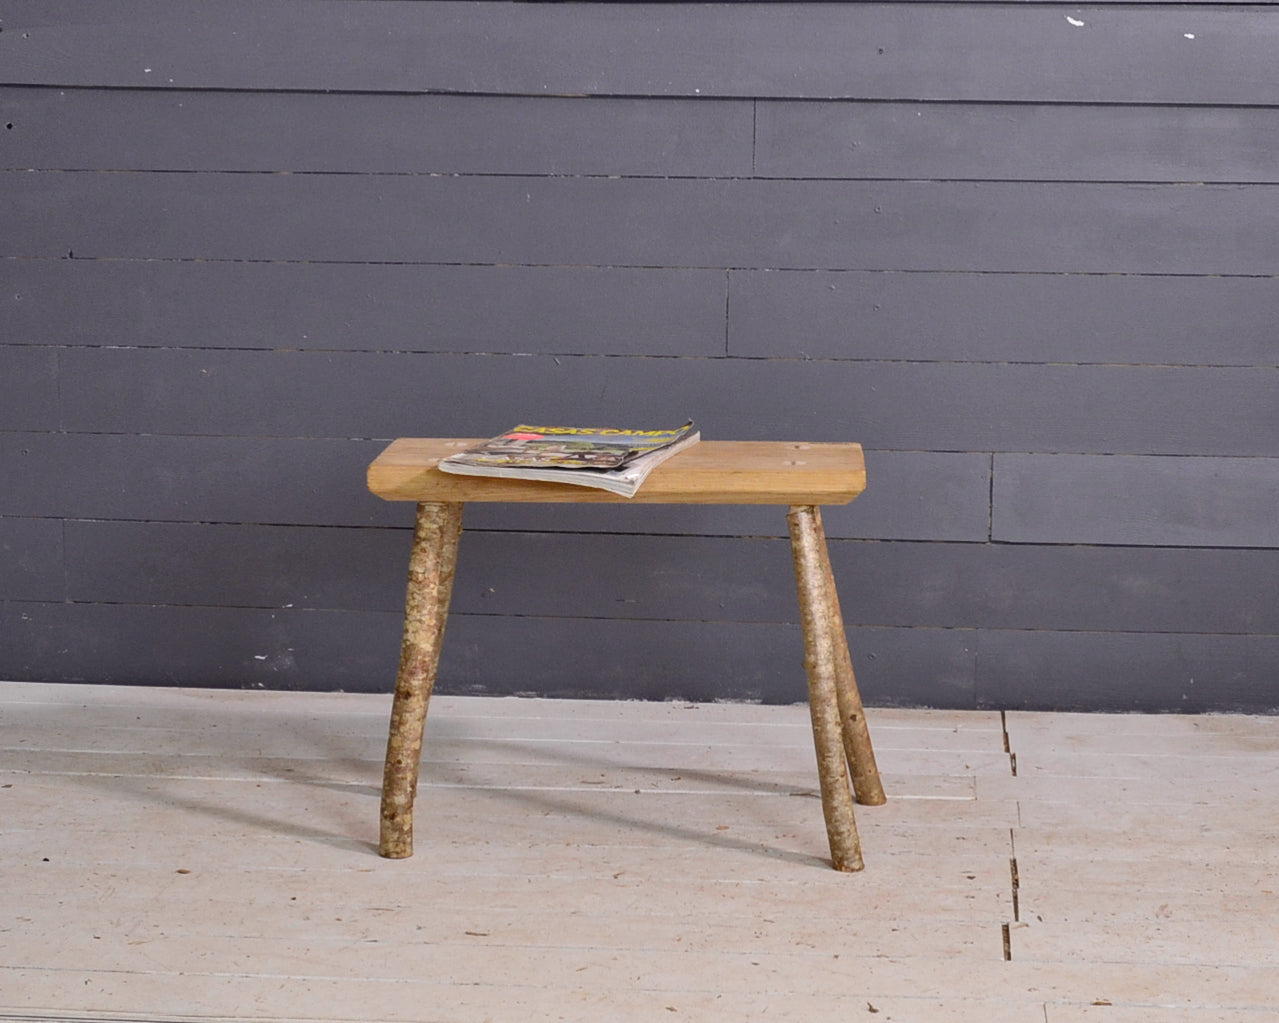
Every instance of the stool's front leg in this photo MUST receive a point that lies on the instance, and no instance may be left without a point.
(821, 662)
(426, 606)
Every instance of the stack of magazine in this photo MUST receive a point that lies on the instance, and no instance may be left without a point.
(604, 457)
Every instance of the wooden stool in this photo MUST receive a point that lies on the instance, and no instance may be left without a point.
(801, 477)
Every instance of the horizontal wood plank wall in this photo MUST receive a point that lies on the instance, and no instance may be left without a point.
(1027, 254)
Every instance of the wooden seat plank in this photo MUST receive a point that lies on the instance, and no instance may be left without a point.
(709, 472)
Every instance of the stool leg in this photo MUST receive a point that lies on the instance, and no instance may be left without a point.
(857, 745)
(426, 605)
(821, 665)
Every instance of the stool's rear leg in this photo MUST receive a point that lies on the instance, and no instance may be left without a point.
(857, 745)
(426, 606)
(821, 664)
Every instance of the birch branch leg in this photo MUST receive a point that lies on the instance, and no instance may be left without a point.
(820, 663)
(432, 562)
(856, 732)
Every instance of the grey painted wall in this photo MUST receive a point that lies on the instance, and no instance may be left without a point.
(1026, 254)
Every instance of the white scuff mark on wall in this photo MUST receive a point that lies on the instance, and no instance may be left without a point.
(1189, 35)
(1075, 21)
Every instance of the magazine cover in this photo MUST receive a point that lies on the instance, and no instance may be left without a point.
(605, 457)
(568, 447)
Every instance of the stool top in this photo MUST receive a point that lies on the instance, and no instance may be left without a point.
(708, 472)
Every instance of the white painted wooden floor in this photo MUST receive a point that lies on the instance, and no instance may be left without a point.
(188, 855)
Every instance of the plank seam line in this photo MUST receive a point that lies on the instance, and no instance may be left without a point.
(1012, 757)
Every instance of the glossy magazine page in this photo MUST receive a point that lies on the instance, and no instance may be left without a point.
(567, 447)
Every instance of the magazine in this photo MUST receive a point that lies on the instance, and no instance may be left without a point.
(604, 457)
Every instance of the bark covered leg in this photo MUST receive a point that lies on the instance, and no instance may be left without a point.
(430, 585)
(821, 665)
(867, 786)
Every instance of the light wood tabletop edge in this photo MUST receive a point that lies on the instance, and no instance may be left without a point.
(708, 472)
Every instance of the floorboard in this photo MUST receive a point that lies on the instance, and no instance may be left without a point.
(195, 855)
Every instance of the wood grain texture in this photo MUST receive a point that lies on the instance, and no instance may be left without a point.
(709, 472)
(916, 495)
